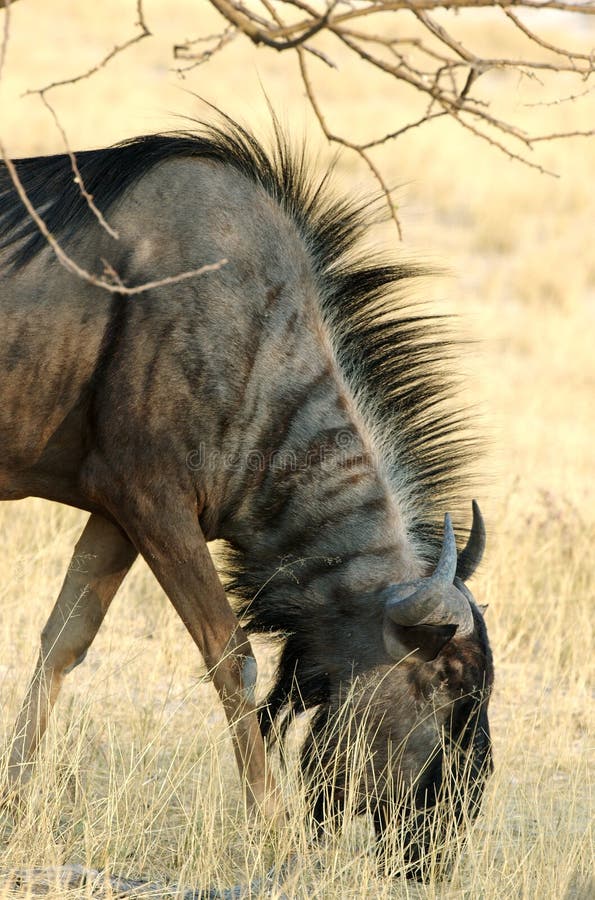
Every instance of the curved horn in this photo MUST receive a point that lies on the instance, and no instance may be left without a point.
(470, 556)
(446, 569)
(431, 603)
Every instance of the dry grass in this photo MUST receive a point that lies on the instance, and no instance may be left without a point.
(137, 772)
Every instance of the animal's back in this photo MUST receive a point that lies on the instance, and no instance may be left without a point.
(73, 353)
(296, 283)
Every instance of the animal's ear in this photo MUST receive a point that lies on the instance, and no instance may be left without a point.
(423, 641)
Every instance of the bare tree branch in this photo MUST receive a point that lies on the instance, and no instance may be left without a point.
(143, 32)
(111, 281)
(435, 63)
(364, 10)
(245, 21)
(545, 44)
(42, 92)
(78, 178)
(184, 51)
(360, 150)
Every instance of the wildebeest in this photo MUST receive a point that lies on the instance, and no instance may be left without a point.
(279, 404)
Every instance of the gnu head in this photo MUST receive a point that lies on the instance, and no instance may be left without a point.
(420, 713)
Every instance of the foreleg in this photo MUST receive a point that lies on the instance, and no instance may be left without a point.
(101, 559)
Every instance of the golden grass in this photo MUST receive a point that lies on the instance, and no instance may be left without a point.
(137, 772)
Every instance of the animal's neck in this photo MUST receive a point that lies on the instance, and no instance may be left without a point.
(318, 518)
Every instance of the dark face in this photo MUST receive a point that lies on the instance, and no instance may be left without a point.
(427, 749)
(448, 789)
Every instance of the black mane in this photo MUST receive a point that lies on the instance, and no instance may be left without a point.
(399, 365)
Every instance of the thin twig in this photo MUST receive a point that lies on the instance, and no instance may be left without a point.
(562, 135)
(113, 286)
(182, 51)
(5, 34)
(571, 55)
(78, 178)
(112, 283)
(119, 48)
(395, 134)
(345, 143)
(569, 98)
(42, 92)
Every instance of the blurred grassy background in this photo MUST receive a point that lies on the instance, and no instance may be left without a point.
(137, 773)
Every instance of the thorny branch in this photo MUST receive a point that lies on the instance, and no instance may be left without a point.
(110, 281)
(435, 63)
